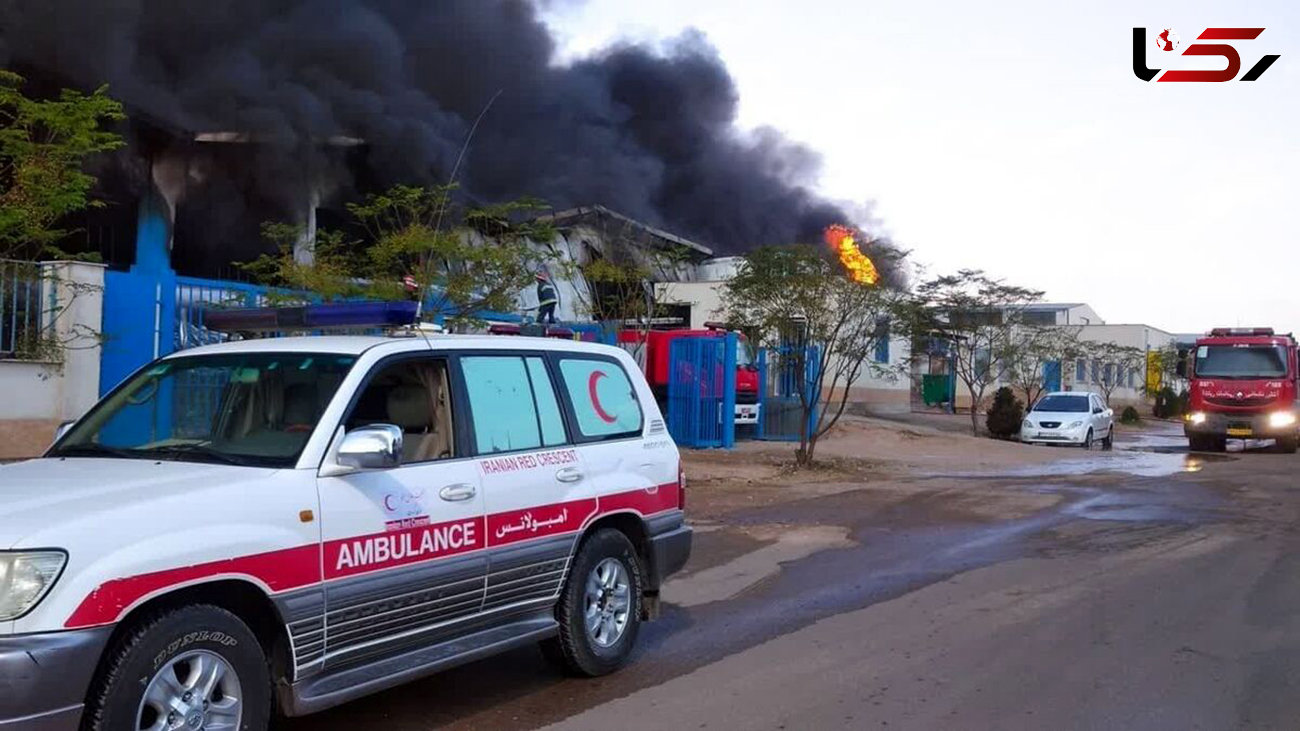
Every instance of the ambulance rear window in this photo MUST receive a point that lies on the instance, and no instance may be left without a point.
(604, 401)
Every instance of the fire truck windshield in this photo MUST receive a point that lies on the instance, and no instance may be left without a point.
(1239, 361)
(744, 358)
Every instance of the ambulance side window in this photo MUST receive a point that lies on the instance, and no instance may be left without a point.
(512, 403)
(604, 401)
(414, 395)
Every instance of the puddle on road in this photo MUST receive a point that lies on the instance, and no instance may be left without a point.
(729, 579)
(1144, 454)
(1139, 464)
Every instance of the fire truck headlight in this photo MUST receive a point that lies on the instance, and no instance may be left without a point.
(25, 578)
(1281, 419)
(1196, 417)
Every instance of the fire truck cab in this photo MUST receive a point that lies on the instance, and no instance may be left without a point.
(1243, 385)
(651, 350)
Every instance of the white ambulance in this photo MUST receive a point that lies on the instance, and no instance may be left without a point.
(288, 524)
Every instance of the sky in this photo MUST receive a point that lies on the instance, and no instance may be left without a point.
(1014, 137)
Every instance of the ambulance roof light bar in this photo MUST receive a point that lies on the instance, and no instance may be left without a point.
(1224, 332)
(532, 330)
(350, 315)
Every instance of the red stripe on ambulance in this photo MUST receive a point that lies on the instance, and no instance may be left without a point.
(295, 568)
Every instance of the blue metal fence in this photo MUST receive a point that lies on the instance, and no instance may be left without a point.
(782, 376)
(195, 297)
(702, 391)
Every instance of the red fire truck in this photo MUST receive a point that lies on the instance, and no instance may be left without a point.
(1243, 386)
(651, 349)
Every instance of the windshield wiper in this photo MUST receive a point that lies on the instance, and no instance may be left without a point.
(91, 449)
(201, 451)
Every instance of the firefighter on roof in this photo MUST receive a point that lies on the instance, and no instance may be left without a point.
(547, 298)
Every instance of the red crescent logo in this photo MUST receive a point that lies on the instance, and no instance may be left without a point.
(595, 400)
(387, 506)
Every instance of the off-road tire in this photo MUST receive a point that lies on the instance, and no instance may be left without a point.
(573, 651)
(155, 640)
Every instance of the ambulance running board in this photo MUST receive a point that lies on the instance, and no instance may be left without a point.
(330, 689)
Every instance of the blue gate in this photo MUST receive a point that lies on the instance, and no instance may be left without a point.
(1052, 375)
(782, 375)
(702, 391)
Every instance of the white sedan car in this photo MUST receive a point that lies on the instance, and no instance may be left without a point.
(1069, 417)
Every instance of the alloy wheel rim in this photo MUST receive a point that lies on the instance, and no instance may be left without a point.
(607, 602)
(194, 691)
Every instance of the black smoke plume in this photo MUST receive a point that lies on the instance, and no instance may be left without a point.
(649, 132)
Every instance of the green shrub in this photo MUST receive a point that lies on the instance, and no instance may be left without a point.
(1129, 416)
(1005, 414)
(1166, 406)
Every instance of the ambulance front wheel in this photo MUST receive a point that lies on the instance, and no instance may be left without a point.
(196, 667)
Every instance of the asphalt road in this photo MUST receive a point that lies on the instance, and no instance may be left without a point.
(1155, 591)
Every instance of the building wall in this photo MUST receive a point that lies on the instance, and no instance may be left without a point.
(704, 299)
(1131, 391)
(38, 396)
(1080, 315)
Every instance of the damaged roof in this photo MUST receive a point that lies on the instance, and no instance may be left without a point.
(599, 215)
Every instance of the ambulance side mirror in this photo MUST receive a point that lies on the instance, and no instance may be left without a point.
(374, 447)
(64, 428)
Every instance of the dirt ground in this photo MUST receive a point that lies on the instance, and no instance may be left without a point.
(883, 456)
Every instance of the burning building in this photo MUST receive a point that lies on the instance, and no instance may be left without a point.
(256, 110)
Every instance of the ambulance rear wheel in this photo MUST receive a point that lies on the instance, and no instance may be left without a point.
(600, 607)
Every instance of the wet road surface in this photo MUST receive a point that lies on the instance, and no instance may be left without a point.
(1148, 588)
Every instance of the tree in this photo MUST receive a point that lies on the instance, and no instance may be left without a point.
(1165, 364)
(1112, 360)
(466, 260)
(43, 146)
(798, 297)
(1005, 414)
(332, 274)
(1038, 347)
(983, 321)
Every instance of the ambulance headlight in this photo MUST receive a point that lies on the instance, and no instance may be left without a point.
(1281, 419)
(25, 577)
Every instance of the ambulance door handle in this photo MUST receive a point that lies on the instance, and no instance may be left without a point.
(457, 493)
(569, 474)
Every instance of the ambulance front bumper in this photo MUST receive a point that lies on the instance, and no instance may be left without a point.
(44, 678)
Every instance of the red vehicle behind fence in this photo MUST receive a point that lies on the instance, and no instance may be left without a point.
(1243, 386)
(651, 350)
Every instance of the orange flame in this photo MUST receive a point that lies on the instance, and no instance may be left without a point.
(860, 267)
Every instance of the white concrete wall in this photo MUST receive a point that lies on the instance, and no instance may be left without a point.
(31, 391)
(704, 298)
(889, 391)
